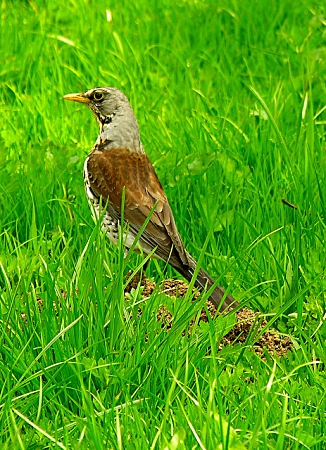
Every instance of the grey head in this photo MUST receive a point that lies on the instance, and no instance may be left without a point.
(114, 114)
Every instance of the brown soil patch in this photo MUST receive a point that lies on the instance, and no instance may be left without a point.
(249, 323)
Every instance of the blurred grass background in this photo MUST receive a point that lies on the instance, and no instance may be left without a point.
(230, 98)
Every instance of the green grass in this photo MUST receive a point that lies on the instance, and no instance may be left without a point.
(230, 99)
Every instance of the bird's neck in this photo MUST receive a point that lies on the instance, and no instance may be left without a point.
(120, 131)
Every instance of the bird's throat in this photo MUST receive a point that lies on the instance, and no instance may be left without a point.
(119, 131)
(104, 122)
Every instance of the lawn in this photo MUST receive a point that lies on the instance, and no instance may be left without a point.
(230, 98)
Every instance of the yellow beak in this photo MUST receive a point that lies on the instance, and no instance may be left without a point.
(80, 98)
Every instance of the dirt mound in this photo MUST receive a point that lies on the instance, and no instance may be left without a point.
(248, 322)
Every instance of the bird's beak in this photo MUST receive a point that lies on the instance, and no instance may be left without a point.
(80, 98)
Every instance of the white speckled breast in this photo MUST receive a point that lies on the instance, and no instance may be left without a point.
(109, 225)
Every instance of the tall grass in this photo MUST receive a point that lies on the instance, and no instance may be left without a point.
(230, 99)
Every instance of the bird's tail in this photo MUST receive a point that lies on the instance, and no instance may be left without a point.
(203, 281)
(220, 300)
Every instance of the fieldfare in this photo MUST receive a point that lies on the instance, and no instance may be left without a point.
(118, 161)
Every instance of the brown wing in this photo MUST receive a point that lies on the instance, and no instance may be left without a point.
(110, 171)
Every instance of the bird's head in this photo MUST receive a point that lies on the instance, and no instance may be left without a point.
(105, 103)
(114, 114)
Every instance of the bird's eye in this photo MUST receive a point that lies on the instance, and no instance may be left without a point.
(98, 96)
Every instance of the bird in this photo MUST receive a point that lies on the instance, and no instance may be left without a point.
(118, 166)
